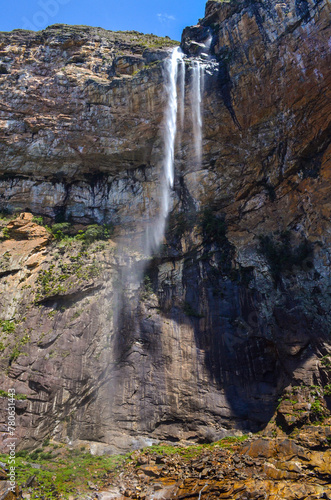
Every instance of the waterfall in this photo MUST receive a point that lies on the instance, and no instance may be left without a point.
(181, 105)
(182, 95)
(174, 77)
(134, 253)
(196, 100)
(170, 123)
(155, 235)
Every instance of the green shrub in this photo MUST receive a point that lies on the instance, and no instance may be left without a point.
(189, 311)
(14, 355)
(96, 232)
(327, 390)
(213, 227)
(93, 232)
(281, 256)
(38, 220)
(34, 455)
(22, 454)
(5, 234)
(318, 410)
(18, 397)
(326, 362)
(147, 288)
(45, 455)
(7, 326)
(60, 230)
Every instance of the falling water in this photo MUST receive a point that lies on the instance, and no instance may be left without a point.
(170, 124)
(182, 95)
(131, 269)
(181, 105)
(133, 257)
(175, 73)
(155, 235)
(196, 100)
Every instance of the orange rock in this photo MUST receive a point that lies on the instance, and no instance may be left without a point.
(23, 228)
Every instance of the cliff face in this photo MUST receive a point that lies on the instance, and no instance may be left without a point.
(235, 307)
(80, 108)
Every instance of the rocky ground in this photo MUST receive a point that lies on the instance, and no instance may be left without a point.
(233, 313)
(295, 467)
(259, 468)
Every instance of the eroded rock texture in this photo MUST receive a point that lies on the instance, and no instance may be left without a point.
(260, 468)
(236, 305)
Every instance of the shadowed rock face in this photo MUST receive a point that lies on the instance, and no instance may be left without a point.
(236, 305)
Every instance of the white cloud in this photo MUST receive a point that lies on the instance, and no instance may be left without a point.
(166, 18)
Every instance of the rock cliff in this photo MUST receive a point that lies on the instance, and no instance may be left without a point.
(233, 312)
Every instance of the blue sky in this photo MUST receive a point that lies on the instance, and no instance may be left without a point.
(161, 17)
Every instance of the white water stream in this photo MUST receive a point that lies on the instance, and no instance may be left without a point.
(155, 234)
(182, 95)
(146, 242)
(174, 122)
(170, 123)
(196, 101)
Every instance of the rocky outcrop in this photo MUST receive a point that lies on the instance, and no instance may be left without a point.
(80, 108)
(260, 467)
(235, 307)
(252, 466)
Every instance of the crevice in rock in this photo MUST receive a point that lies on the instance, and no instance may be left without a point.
(302, 10)
(254, 8)
(225, 88)
(310, 161)
(59, 301)
(3, 70)
(87, 399)
(9, 272)
(38, 387)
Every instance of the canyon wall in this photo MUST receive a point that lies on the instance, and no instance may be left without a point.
(234, 309)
